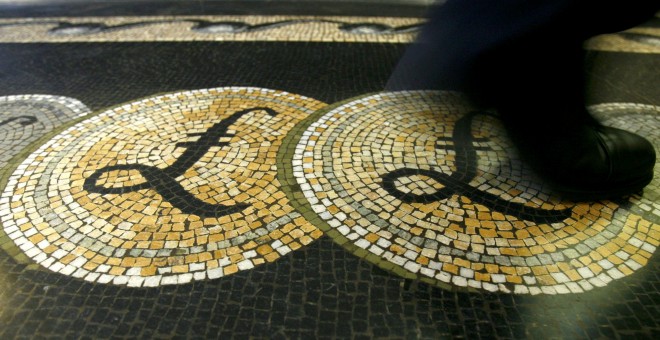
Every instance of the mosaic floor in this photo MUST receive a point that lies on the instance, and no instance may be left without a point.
(235, 172)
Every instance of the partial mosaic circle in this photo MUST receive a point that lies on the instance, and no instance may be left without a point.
(26, 118)
(427, 186)
(164, 190)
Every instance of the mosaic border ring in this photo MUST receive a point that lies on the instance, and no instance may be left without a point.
(163, 190)
(425, 185)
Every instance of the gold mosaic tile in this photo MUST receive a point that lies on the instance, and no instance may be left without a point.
(164, 190)
(462, 209)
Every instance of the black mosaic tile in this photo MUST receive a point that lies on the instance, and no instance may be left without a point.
(125, 71)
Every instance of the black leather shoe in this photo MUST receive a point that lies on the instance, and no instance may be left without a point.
(589, 161)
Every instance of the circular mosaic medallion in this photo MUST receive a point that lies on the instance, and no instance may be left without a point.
(25, 118)
(427, 186)
(164, 190)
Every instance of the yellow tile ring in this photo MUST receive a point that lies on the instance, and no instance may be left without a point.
(425, 185)
(164, 190)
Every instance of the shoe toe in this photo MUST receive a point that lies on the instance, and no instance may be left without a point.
(630, 156)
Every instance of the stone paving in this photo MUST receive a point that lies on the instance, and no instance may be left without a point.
(233, 176)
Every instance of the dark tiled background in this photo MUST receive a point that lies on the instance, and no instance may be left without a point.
(320, 291)
(103, 74)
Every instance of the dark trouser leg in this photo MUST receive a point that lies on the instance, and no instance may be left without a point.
(525, 59)
(475, 45)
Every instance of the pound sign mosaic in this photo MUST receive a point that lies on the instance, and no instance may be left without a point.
(23, 120)
(164, 180)
(458, 182)
(424, 184)
(201, 184)
(165, 190)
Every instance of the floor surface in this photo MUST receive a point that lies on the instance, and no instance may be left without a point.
(235, 170)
